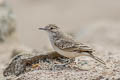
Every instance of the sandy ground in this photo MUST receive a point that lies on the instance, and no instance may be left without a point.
(96, 23)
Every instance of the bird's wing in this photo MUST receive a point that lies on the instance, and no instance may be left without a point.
(72, 46)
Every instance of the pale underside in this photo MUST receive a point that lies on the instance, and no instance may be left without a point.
(69, 54)
(69, 48)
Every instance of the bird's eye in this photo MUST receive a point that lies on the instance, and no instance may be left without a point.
(51, 28)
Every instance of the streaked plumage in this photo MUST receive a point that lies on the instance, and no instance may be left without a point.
(66, 45)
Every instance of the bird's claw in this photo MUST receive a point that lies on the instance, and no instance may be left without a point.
(58, 66)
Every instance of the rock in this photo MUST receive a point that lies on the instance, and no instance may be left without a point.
(22, 67)
(25, 59)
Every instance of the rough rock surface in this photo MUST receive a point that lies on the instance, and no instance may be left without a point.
(21, 62)
(23, 67)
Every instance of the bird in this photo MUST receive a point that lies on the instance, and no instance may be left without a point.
(66, 46)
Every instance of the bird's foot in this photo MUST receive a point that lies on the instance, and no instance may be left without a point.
(58, 67)
(62, 66)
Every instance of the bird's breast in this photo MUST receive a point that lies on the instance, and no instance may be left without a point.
(64, 53)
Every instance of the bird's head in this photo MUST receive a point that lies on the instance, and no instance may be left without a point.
(50, 28)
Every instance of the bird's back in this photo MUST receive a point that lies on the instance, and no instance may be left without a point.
(66, 43)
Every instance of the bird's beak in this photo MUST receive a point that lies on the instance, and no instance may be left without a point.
(41, 28)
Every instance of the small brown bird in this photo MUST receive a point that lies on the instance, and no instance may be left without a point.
(66, 45)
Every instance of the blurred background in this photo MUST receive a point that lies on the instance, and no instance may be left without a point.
(96, 22)
(89, 17)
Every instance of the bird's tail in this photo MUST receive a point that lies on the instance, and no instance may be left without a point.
(98, 59)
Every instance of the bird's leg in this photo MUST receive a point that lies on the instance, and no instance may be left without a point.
(62, 65)
(70, 61)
